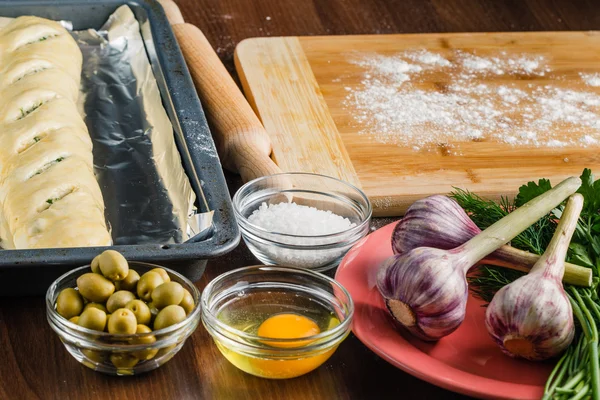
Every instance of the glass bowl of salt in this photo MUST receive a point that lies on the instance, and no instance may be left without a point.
(301, 220)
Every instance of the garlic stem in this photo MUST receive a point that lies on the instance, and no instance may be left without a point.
(552, 261)
(513, 258)
(516, 222)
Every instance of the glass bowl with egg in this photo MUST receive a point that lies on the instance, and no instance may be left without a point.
(120, 353)
(276, 322)
(301, 220)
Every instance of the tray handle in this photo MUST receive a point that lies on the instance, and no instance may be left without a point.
(242, 142)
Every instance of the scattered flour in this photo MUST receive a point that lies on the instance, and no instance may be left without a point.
(392, 68)
(396, 103)
(591, 79)
(428, 58)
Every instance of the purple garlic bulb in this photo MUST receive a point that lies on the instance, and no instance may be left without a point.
(532, 317)
(428, 308)
(425, 289)
(435, 221)
(439, 221)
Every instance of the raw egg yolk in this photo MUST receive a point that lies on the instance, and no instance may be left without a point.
(288, 326)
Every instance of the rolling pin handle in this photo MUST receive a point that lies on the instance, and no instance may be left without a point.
(243, 144)
(172, 12)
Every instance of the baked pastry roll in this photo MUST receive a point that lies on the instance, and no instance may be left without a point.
(49, 196)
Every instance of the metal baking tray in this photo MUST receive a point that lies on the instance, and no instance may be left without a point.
(28, 272)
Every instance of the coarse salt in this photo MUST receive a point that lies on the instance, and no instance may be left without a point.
(391, 106)
(309, 224)
(294, 219)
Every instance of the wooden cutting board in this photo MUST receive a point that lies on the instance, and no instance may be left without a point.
(297, 86)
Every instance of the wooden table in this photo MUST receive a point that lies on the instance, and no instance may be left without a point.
(33, 362)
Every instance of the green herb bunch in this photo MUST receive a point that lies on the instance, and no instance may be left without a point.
(577, 373)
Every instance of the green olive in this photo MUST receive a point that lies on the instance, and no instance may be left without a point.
(166, 351)
(69, 303)
(140, 310)
(94, 355)
(95, 265)
(149, 340)
(119, 300)
(148, 282)
(93, 319)
(113, 265)
(130, 282)
(107, 319)
(169, 293)
(74, 319)
(170, 315)
(153, 310)
(95, 287)
(188, 302)
(122, 321)
(163, 274)
(123, 360)
(96, 305)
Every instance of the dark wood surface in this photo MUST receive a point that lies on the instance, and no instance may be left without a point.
(33, 362)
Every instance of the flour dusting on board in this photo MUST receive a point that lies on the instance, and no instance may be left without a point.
(397, 103)
(591, 79)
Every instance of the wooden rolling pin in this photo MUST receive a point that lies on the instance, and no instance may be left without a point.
(241, 139)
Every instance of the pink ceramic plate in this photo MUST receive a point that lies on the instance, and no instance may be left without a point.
(467, 361)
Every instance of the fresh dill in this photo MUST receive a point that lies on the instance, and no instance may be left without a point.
(486, 280)
(485, 212)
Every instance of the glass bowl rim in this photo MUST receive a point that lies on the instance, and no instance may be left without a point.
(245, 224)
(64, 323)
(316, 340)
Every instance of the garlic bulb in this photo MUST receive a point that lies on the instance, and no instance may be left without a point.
(532, 317)
(425, 289)
(435, 221)
(438, 221)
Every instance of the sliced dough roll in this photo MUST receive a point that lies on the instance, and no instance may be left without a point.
(49, 196)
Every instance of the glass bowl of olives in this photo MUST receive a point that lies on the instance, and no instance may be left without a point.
(122, 318)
